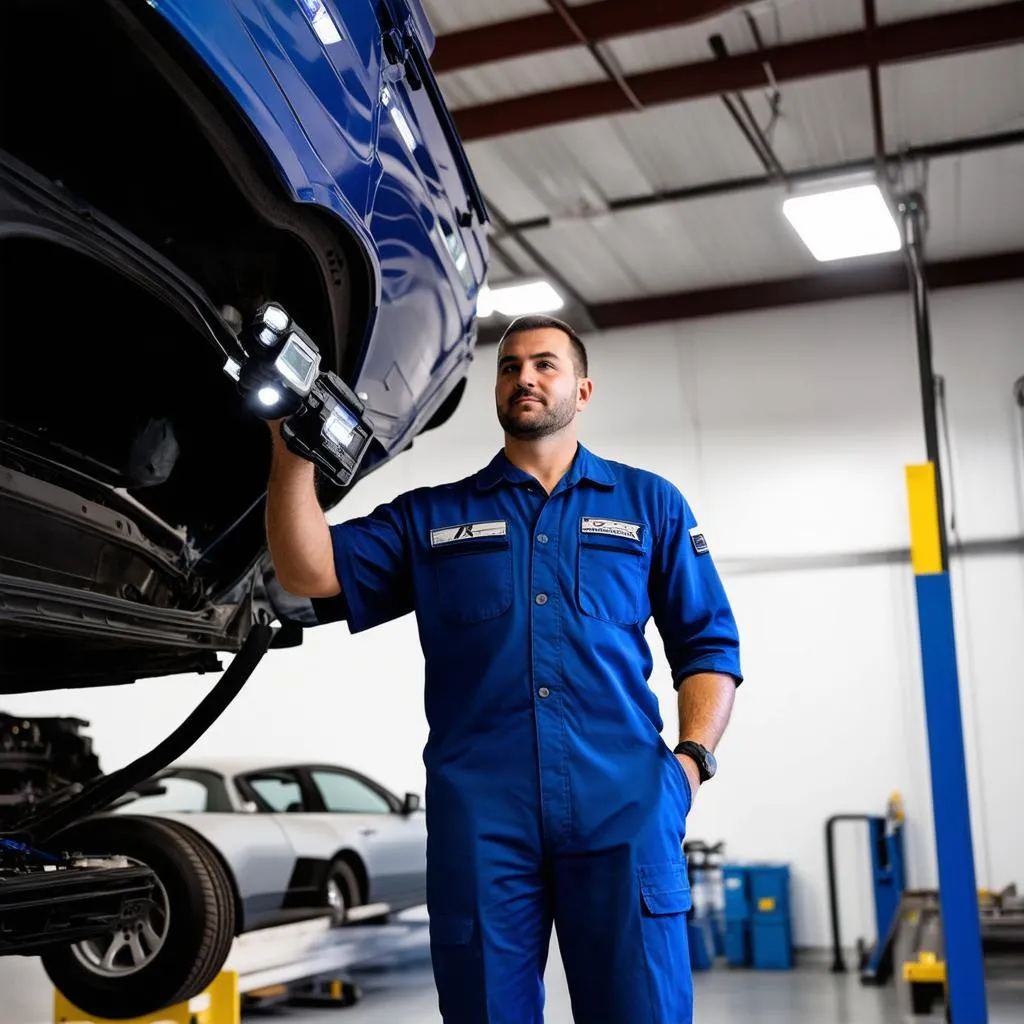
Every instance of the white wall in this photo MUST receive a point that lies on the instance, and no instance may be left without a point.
(789, 432)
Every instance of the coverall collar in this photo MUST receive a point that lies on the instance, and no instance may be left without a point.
(585, 466)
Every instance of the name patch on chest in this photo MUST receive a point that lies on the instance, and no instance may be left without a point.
(611, 527)
(468, 531)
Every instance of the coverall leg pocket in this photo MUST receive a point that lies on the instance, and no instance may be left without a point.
(664, 900)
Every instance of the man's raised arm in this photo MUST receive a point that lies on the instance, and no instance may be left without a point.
(297, 532)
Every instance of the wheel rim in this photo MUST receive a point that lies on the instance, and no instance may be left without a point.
(129, 950)
(336, 898)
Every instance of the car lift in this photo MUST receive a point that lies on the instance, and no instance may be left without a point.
(885, 841)
(301, 964)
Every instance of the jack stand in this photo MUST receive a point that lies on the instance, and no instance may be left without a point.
(318, 993)
(219, 1004)
(926, 982)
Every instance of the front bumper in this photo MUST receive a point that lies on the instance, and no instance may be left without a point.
(45, 908)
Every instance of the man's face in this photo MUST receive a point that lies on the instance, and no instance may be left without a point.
(537, 392)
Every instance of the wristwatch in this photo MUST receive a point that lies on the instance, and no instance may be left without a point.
(706, 763)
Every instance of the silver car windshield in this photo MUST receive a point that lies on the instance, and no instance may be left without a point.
(182, 792)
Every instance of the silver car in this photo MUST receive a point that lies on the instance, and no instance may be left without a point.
(240, 845)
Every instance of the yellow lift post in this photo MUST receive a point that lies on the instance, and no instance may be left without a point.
(221, 1003)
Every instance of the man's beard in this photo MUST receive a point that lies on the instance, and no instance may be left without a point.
(552, 419)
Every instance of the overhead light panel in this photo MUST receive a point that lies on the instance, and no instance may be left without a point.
(518, 299)
(844, 222)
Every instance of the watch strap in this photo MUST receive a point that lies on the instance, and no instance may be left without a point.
(700, 755)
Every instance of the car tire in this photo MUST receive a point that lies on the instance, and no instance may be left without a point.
(341, 890)
(106, 977)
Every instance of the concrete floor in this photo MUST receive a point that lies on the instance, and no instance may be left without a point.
(400, 990)
(391, 966)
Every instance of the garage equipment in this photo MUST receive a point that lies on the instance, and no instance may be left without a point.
(1002, 920)
(885, 842)
(705, 921)
(758, 926)
(737, 915)
(771, 928)
(919, 951)
(323, 421)
(919, 944)
(300, 963)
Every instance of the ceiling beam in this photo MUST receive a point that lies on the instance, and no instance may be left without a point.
(839, 282)
(883, 276)
(917, 39)
(730, 186)
(539, 33)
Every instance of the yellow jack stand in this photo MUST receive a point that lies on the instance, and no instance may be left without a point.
(219, 1004)
(927, 980)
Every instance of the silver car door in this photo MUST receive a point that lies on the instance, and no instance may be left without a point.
(281, 795)
(395, 847)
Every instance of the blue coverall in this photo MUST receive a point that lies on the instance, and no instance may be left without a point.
(551, 795)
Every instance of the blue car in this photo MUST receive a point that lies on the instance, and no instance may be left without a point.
(167, 168)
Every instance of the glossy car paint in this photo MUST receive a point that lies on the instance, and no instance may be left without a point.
(330, 116)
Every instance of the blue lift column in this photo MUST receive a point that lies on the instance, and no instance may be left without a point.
(958, 891)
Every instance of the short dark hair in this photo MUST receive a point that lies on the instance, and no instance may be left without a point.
(538, 321)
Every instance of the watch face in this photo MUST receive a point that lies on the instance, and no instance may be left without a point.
(711, 765)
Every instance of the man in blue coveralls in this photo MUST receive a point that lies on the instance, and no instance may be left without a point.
(551, 796)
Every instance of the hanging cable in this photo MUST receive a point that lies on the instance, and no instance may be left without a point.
(965, 642)
(940, 400)
(200, 556)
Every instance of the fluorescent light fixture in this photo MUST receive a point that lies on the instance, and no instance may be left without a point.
(518, 299)
(843, 222)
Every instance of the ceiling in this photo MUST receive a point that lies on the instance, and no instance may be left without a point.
(602, 138)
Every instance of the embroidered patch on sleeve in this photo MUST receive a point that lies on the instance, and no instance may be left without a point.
(699, 541)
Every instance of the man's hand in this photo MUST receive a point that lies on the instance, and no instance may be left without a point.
(692, 774)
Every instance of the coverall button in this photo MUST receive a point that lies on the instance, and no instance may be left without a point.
(541, 599)
(542, 538)
(543, 692)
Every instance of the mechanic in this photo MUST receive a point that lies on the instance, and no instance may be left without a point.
(551, 796)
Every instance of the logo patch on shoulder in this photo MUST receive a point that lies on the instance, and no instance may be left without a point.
(699, 541)
(468, 531)
(611, 527)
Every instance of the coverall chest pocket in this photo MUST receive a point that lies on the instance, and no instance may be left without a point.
(474, 579)
(610, 578)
